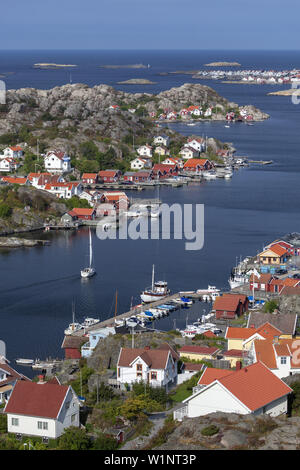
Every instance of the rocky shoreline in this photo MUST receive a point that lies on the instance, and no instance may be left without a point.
(15, 242)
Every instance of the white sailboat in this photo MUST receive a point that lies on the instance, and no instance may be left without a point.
(90, 271)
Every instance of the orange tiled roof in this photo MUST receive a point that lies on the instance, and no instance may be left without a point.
(255, 386)
(229, 302)
(193, 162)
(239, 333)
(210, 375)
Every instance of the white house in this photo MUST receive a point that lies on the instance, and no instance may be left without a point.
(8, 378)
(253, 389)
(8, 164)
(161, 140)
(41, 409)
(156, 367)
(208, 112)
(145, 151)
(13, 152)
(197, 144)
(140, 163)
(279, 355)
(64, 190)
(173, 161)
(57, 162)
(188, 152)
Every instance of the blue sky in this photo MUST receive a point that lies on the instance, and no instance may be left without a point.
(143, 24)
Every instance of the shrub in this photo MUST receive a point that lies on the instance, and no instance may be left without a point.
(74, 439)
(5, 211)
(105, 442)
(210, 430)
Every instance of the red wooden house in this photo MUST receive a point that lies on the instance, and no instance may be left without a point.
(198, 164)
(160, 170)
(261, 282)
(230, 306)
(89, 178)
(109, 176)
(72, 346)
(84, 214)
(138, 176)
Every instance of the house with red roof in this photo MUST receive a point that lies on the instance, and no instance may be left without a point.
(138, 176)
(109, 176)
(64, 190)
(15, 180)
(260, 281)
(230, 306)
(280, 355)
(156, 367)
(89, 178)
(199, 353)
(8, 164)
(253, 389)
(197, 143)
(41, 409)
(84, 214)
(161, 170)
(145, 151)
(173, 161)
(13, 152)
(140, 163)
(57, 161)
(274, 255)
(198, 164)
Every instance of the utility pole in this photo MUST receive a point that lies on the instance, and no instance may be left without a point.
(132, 338)
(37, 149)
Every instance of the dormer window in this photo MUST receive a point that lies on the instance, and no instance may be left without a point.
(283, 360)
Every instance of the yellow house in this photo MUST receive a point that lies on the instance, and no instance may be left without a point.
(236, 336)
(234, 356)
(274, 255)
(198, 353)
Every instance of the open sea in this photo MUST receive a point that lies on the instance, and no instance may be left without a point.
(259, 204)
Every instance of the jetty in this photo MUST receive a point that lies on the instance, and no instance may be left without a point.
(141, 308)
(261, 162)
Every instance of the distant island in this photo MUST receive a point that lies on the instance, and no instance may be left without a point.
(289, 92)
(52, 66)
(222, 64)
(137, 81)
(133, 66)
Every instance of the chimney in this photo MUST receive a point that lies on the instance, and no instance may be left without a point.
(41, 380)
(238, 365)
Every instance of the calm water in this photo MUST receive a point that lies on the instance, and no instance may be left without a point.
(257, 205)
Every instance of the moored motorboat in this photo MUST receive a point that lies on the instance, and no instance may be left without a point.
(24, 362)
(157, 291)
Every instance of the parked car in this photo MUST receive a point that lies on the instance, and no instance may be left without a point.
(281, 271)
(296, 276)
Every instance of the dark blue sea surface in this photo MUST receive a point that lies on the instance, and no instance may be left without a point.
(257, 205)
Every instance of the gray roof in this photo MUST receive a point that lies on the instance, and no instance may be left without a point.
(285, 322)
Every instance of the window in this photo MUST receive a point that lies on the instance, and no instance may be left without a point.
(139, 367)
(15, 421)
(153, 375)
(139, 374)
(283, 360)
(73, 418)
(42, 425)
(68, 405)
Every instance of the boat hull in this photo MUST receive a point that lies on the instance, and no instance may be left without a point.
(86, 273)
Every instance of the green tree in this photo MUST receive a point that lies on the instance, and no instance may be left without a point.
(74, 439)
(270, 306)
(5, 211)
(104, 442)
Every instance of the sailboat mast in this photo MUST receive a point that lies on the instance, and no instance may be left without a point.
(153, 277)
(116, 305)
(91, 251)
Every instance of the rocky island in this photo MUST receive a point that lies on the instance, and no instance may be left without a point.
(289, 92)
(137, 81)
(52, 66)
(222, 64)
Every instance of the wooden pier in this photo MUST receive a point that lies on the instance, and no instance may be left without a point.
(135, 310)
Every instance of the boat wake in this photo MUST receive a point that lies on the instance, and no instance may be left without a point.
(41, 283)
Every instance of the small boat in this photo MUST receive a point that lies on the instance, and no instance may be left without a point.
(24, 362)
(90, 271)
(227, 126)
(157, 291)
(90, 322)
(74, 326)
